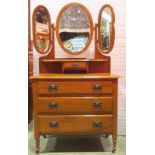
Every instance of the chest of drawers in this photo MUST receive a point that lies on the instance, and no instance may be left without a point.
(79, 104)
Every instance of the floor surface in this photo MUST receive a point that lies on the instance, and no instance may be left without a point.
(76, 145)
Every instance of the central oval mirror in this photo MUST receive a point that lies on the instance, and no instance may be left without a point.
(74, 28)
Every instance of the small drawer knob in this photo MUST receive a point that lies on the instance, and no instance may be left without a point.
(97, 124)
(53, 124)
(53, 105)
(97, 104)
(97, 87)
(74, 64)
(52, 88)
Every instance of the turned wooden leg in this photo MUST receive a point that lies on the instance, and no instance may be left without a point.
(114, 145)
(37, 145)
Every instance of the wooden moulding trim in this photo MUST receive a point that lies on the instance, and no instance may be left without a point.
(73, 60)
(34, 28)
(91, 27)
(113, 29)
(91, 76)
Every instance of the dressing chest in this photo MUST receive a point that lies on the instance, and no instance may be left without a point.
(74, 96)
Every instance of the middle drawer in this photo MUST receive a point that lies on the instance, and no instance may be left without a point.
(75, 104)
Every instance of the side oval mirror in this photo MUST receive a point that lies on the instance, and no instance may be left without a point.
(106, 30)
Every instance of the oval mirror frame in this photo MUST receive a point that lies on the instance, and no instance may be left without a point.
(34, 28)
(113, 29)
(91, 27)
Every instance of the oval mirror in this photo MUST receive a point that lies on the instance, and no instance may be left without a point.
(106, 31)
(41, 29)
(74, 28)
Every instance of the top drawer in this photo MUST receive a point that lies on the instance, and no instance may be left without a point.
(75, 65)
(92, 87)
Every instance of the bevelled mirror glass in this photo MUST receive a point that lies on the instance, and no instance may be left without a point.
(74, 28)
(106, 29)
(41, 29)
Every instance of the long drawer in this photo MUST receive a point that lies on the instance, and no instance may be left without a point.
(75, 124)
(92, 87)
(59, 105)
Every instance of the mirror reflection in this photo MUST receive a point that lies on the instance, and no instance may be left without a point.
(106, 28)
(74, 29)
(42, 30)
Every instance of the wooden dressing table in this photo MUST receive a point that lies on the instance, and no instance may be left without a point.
(74, 96)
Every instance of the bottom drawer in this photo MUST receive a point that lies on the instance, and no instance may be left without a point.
(75, 124)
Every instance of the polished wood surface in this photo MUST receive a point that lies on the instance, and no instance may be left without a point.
(75, 76)
(75, 87)
(75, 124)
(69, 102)
(75, 65)
(56, 65)
(63, 101)
(75, 105)
(29, 26)
(30, 65)
(73, 60)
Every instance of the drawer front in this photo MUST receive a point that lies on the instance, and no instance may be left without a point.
(75, 105)
(75, 124)
(76, 87)
(74, 65)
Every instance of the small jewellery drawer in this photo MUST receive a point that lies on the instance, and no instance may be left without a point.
(75, 124)
(75, 105)
(74, 65)
(75, 87)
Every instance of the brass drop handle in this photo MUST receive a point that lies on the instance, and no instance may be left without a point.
(97, 124)
(53, 124)
(53, 105)
(97, 87)
(97, 104)
(74, 64)
(52, 88)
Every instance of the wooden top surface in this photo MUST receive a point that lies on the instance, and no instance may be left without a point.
(72, 60)
(75, 76)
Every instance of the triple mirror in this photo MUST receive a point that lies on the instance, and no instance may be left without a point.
(74, 29)
(41, 29)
